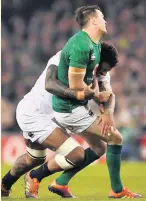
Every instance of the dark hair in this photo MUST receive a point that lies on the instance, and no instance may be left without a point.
(83, 13)
(109, 54)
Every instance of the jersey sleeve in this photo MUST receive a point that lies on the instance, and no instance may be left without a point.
(79, 57)
(55, 59)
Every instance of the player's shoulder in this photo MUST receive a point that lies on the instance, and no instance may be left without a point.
(81, 40)
(54, 59)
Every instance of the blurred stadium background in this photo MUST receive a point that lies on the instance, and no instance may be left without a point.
(32, 31)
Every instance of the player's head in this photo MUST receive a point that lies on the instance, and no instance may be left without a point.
(108, 59)
(91, 15)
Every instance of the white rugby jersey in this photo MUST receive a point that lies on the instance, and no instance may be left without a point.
(38, 99)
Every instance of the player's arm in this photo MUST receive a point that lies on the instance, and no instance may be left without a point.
(54, 86)
(107, 110)
(105, 98)
(76, 78)
(78, 61)
(108, 106)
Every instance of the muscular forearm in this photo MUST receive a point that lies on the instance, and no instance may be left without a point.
(109, 105)
(54, 86)
(57, 88)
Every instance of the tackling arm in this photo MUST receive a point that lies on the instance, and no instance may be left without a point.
(108, 106)
(104, 86)
(54, 86)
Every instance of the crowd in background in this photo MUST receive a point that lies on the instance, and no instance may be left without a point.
(33, 31)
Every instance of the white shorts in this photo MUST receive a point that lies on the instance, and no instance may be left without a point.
(79, 120)
(36, 126)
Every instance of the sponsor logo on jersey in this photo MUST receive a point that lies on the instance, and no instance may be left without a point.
(93, 57)
(90, 79)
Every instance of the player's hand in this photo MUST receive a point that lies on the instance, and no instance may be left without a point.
(87, 93)
(103, 96)
(107, 121)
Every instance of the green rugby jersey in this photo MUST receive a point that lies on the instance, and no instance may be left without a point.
(80, 51)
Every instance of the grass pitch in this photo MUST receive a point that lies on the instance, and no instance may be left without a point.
(91, 184)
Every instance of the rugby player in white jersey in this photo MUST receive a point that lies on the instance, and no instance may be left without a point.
(34, 116)
(80, 58)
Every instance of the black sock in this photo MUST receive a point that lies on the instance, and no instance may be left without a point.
(41, 172)
(8, 180)
(67, 175)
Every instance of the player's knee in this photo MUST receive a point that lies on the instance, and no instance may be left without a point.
(77, 156)
(73, 159)
(102, 149)
(116, 137)
(70, 154)
(119, 138)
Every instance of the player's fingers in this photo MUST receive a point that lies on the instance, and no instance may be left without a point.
(108, 129)
(90, 85)
(102, 128)
(105, 130)
(99, 120)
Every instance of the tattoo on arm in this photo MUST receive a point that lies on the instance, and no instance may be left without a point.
(54, 86)
(101, 88)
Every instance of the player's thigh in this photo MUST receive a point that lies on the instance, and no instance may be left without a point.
(57, 140)
(114, 137)
(95, 143)
(43, 132)
(94, 129)
(40, 130)
(54, 140)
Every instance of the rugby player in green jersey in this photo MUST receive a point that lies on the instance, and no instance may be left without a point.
(79, 62)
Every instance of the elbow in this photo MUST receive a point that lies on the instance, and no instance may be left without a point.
(49, 86)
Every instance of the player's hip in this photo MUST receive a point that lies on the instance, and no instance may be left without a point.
(30, 118)
(36, 127)
(33, 107)
(78, 120)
